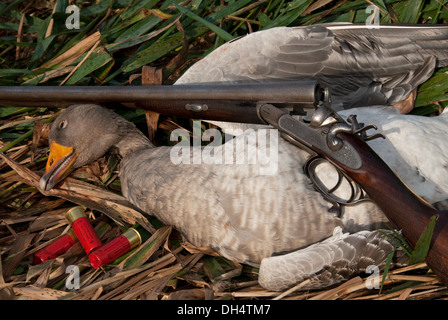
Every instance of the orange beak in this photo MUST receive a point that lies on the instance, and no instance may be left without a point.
(59, 165)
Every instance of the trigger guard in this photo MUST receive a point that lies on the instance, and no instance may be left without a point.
(357, 195)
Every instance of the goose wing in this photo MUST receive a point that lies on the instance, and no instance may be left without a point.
(362, 66)
(331, 261)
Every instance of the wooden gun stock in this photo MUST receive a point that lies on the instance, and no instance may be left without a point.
(404, 208)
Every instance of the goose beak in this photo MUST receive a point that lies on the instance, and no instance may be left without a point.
(59, 165)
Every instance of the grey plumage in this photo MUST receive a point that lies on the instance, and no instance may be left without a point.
(247, 216)
(233, 208)
(338, 258)
(362, 66)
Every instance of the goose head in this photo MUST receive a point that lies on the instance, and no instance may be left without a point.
(81, 135)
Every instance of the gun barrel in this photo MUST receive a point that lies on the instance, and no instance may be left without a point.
(302, 92)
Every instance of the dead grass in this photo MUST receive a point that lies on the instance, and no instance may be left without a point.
(36, 50)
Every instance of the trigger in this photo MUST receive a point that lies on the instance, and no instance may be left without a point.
(336, 210)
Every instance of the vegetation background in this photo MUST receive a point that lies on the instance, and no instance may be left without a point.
(121, 42)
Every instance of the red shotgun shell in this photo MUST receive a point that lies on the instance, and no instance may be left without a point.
(115, 248)
(83, 229)
(56, 248)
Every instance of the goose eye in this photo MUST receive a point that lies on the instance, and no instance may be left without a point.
(62, 124)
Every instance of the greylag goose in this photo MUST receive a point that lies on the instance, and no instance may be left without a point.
(251, 217)
(247, 216)
(363, 66)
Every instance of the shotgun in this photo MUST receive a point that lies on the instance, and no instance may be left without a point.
(322, 132)
(342, 143)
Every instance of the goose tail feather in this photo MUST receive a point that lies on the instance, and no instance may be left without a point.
(331, 261)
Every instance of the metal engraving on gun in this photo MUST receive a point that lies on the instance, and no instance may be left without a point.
(319, 136)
